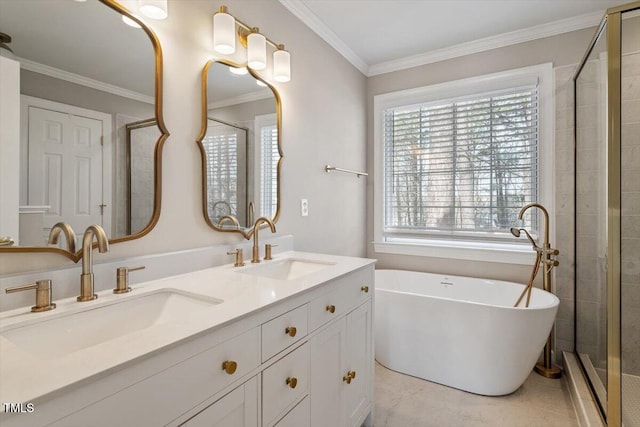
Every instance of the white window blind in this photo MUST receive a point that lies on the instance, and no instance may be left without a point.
(268, 169)
(460, 167)
(221, 146)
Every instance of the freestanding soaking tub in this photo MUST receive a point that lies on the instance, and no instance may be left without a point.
(460, 332)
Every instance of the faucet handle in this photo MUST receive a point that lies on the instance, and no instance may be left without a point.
(267, 251)
(553, 251)
(122, 279)
(43, 294)
(239, 257)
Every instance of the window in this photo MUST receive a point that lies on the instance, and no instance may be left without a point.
(458, 161)
(267, 129)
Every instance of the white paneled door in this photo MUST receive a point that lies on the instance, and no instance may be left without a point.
(65, 168)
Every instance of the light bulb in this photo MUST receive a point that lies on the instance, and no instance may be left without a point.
(224, 32)
(154, 9)
(281, 65)
(256, 50)
(130, 22)
(240, 71)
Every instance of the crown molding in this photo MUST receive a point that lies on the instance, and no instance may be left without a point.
(502, 40)
(298, 9)
(303, 13)
(241, 99)
(57, 73)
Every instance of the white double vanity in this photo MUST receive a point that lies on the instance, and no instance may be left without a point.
(284, 343)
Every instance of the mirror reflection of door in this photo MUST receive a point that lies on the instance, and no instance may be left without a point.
(88, 70)
(141, 140)
(66, 165)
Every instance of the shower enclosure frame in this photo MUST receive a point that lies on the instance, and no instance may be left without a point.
(611, 26)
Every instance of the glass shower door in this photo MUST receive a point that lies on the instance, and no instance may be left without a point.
(590, 217)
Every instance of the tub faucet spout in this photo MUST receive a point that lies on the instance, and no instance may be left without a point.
(86, 278)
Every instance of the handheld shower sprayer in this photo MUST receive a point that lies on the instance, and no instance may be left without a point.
(517, 231)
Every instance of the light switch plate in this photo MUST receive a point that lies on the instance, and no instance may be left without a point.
(304, 207)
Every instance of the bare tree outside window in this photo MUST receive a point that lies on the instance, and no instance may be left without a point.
(461, 166)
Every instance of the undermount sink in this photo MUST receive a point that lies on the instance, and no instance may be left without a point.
(287, 269)
(59, 336)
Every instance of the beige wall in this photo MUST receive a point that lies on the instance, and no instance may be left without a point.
(324, 122)
(45, 87)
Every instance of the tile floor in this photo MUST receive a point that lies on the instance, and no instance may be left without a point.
(404, 401)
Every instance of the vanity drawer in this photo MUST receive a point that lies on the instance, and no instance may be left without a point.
(283, 331)
(300, 416)
(238, 408)
(174, 391)
(284, 384)
(347, 292)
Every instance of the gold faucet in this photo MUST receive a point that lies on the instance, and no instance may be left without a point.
(86, 279)
(228, 218)
(544, 254)
(256, 229)
(43, 295)
(54, 235)
(546, 249)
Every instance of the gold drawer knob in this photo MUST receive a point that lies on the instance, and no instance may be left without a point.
(229, 366)
(291, 331)
(292, 382)
(365, 289)
(350, 376)
(331, 308)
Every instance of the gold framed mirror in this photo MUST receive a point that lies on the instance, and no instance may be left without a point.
(85, 77)
(240, 146)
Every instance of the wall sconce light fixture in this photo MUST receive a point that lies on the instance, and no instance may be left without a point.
(224, 42)
(153, 9)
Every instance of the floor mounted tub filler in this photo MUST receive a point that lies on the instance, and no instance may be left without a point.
(458, 331)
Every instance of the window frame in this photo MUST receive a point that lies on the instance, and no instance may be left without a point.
(516, 252)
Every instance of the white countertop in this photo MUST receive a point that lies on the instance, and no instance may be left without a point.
(26, 377)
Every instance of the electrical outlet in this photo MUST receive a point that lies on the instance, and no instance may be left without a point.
(304, 207)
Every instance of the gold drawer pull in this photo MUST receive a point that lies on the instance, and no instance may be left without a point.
(291, 331)
(350, 376)
(292, 382)
(229, 366)
(365, 289)
(331, 308)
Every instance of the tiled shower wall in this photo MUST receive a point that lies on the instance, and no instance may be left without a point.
(631, 213)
